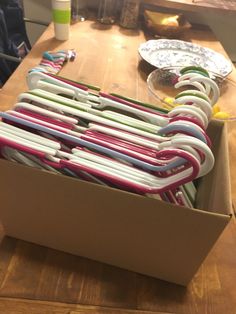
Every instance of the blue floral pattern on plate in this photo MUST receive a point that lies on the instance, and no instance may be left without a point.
(164, 53)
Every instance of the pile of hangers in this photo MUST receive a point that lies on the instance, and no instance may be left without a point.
(65, 127)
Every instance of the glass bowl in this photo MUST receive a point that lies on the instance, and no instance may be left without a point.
(161, 87)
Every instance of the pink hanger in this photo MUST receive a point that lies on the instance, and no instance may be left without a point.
(44, 118)
(62, 79)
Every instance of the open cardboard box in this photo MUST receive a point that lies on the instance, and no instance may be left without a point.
(119, 228)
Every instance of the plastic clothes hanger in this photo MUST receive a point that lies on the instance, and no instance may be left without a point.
(5, 136)
(86, 142)
(45, 112)
(95, 116)
(33, 77)
(76, 140)
(208, 163)
(204, 84)
(8, 128)
(196, 101)
(103, 100)
(27, 159)
(160, 185)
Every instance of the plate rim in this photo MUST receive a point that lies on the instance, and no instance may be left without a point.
(144, 57)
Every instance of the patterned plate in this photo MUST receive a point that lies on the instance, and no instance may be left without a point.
(164, 53)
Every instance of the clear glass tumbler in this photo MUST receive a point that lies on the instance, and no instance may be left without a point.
(107, 11)
(78, 10)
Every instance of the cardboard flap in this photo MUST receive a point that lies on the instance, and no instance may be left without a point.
(214, 190)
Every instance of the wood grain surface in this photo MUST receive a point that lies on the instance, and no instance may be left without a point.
(37, 273)
(36, 279)
(20, 306)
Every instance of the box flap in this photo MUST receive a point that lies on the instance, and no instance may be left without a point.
(214, 190)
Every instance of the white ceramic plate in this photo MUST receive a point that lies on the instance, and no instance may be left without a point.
(169, 52)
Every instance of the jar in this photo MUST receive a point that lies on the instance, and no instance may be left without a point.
(107, 11)
(130, 13)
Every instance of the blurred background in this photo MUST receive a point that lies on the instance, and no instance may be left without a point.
(222, 25)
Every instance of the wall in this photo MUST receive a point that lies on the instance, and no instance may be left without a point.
(39, 10)
(224, 26)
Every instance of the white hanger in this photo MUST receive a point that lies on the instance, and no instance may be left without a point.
(211, 83)
(203, 104)
(153, 185)
(27, 143)
(209, 161)
(190, 111)
(55, 98)
(45, 112)
(33, 77)
(41, 122)
(8, 128)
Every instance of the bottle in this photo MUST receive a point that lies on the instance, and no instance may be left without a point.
(130, 13)
(61, 16)
(107, 11)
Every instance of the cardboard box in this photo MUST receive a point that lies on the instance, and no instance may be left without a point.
(119, 228)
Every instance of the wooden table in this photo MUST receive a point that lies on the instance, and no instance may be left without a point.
(35, 279)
